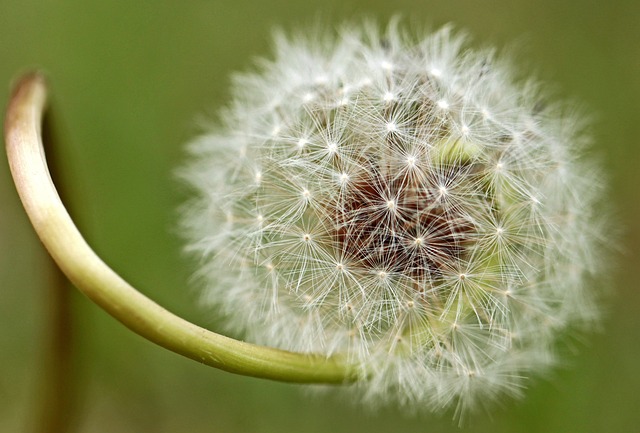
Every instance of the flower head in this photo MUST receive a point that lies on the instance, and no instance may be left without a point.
(404, 202)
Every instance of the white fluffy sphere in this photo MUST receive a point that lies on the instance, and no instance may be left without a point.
(402, 201)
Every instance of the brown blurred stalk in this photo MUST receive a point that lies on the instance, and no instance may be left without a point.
(56, 388)
(56, 384)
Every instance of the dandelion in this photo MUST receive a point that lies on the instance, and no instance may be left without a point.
(404, 202)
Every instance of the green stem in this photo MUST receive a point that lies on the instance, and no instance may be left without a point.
(107, 289)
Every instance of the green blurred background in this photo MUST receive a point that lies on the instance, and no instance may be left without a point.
(130, 81)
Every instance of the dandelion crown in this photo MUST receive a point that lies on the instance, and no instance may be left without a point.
(403, 202)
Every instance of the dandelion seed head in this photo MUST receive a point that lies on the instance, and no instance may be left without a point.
(413, 208)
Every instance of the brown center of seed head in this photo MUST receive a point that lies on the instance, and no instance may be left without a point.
(391, 224)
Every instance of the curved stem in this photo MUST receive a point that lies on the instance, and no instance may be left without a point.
(107, 289)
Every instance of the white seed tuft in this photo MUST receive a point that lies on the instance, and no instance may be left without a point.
(443, 104)
(413, 209)
(388, 97)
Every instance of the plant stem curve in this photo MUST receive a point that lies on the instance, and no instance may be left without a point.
(96, 280)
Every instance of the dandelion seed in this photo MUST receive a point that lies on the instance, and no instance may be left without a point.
(391, 204)
(443, 260)
(321, 79)
(344, 178)
(387, 66)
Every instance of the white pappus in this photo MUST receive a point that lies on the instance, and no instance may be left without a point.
(404, 201)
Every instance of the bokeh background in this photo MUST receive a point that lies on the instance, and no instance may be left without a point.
(130, 81)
